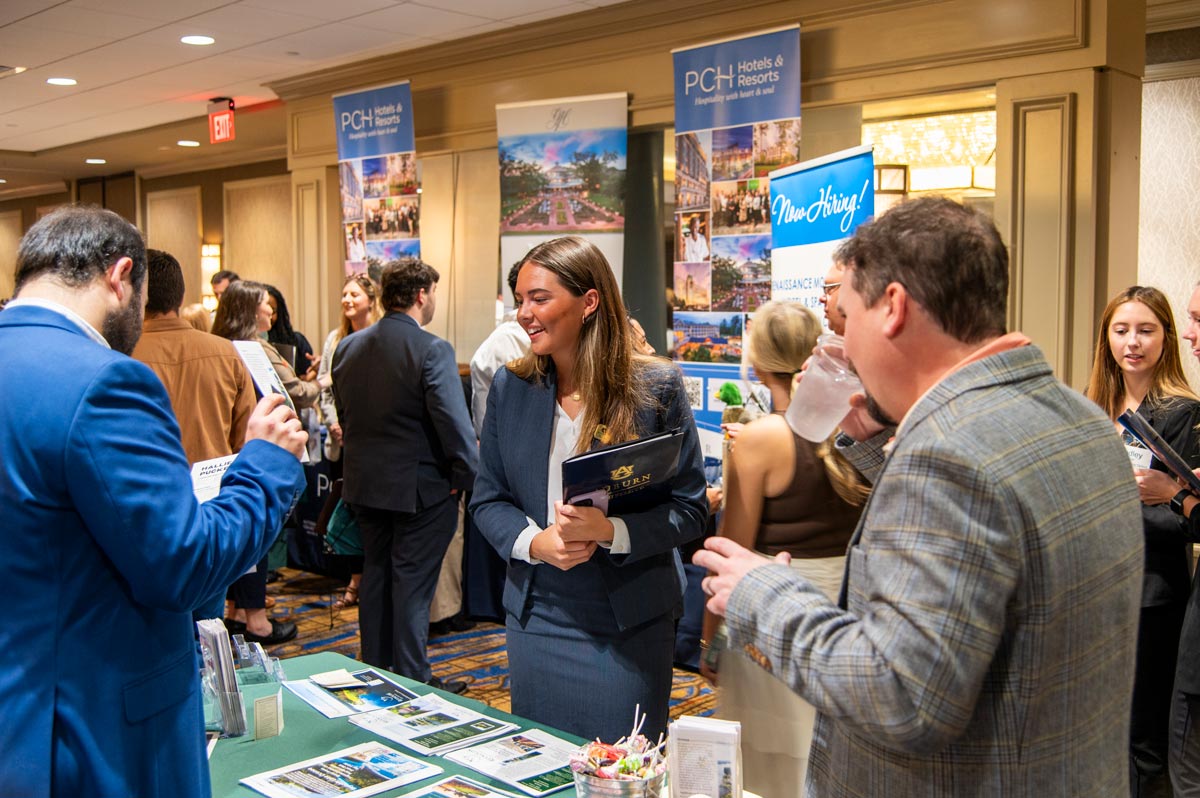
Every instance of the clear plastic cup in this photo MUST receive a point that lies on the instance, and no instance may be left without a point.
(822, 398)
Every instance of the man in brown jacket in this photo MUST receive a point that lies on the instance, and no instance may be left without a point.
(211, 393)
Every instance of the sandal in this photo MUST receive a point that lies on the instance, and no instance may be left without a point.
(348, 599)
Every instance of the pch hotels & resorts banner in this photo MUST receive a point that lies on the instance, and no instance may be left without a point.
(815, 206)
(562, 172)
(737, 118)
(377, 174)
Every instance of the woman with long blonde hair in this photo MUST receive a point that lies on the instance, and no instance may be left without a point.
(782, 493)
(1137, 366)
(590, 600)
(360, 309)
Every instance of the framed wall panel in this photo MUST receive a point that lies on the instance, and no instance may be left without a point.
(173, 224)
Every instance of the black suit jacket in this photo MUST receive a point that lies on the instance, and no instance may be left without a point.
(408, 435)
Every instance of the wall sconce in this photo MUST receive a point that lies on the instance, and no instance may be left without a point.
(210, 264)
(209, 302)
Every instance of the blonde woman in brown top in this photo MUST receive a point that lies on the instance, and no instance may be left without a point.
(782, 493)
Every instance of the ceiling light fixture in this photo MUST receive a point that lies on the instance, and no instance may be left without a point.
(2, 180)
(95, 160)
(61, 81)
(187, 143)
(198, 41)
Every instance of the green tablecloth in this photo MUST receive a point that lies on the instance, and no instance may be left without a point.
(307, 733)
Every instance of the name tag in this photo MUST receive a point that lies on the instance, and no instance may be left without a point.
(1139, 456)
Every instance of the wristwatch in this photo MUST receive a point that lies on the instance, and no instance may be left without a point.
(1177, 500)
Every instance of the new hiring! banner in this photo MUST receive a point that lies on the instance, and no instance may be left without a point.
(562, 172)
(377, 175)
(737, 118)
(815, 206)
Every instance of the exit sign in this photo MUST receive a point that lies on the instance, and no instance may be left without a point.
(220, 122)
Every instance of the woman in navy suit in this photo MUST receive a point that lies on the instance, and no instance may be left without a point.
(590, 600)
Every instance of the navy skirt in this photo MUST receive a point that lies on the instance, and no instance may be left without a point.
(573, 669)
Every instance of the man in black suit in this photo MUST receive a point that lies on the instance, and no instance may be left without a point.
(409, 453)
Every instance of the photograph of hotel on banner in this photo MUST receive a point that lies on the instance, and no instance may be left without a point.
(564, 182)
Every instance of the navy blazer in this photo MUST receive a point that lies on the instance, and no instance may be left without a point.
(104, 554)
(408, 434)
(515, 451)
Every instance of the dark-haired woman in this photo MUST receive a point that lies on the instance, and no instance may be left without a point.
(590, 600)
(281, 333)
(244, 315)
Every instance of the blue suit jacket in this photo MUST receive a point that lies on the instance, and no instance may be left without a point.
(104, 554)
(512, 483)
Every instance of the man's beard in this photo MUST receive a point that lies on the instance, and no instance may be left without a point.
(123, 328)
(876, 412)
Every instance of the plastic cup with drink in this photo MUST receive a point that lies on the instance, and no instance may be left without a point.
(822, 398)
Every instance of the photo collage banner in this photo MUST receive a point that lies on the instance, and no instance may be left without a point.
(377, 175)
(815, 206)
(737, 119)
(562, 172)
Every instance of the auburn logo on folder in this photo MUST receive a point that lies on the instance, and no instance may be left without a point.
(623, 472)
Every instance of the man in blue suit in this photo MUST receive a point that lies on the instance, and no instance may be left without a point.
(105, 551)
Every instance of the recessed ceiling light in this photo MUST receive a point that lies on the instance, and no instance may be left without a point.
(95, 160)
(199, 41)
(2, 180)
(61, 81)
(187, 143)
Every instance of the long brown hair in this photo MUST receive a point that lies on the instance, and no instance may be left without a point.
(237, 314)
(781, 338)
(611, 377)
(1106, 386)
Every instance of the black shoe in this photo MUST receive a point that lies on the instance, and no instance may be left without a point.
(281, 632)
(456, 686)
(235, 627)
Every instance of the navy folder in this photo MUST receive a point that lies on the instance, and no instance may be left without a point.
(624, 477)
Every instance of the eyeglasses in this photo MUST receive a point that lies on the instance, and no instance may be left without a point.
(829, 288)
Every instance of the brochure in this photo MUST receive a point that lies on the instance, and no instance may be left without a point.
(432, 725)
(266, 379)
(625, 477)
(374, 691)
(704, 756)
(535, 762)
(363, 770)
(457, 787)
(1161, 449)
(206, 477)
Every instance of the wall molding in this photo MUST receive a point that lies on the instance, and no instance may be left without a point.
(275, 152)
(1172, 70)
(1166, 15)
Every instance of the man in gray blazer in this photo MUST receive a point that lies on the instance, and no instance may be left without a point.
(984, 640)
(409, 454)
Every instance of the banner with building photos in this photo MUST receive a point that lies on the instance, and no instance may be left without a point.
(737, 118)
(815, 206)
(377, 175)
(562, 172)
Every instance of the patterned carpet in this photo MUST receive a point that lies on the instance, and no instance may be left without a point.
(478, 655)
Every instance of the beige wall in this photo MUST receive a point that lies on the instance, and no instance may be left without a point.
(258, 234)
(1169, 241)
(211, 183)
(10, 237)
(173, 224)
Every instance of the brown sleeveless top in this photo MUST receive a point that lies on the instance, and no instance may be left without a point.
(808, 520)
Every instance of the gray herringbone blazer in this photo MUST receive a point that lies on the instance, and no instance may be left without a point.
(986, 643)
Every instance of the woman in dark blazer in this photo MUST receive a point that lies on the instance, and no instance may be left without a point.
(590, 600)
(1137, 367)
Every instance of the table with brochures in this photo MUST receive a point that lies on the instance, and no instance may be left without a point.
(307, 733)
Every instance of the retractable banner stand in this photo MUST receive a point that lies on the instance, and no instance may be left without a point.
(815, 206)
(562, 172)
(377, 174)
(737, 118)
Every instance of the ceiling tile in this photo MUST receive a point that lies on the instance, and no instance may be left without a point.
(503, 10)
(163, 10)
(323, 9)
(91, 23)
(24, 44)
(414, 20)
(12, 10)
(561, 10)
(240, 24)
(330, 41)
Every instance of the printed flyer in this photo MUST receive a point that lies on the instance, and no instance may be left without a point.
(535, 762)
(356, 772)
(431, 725)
